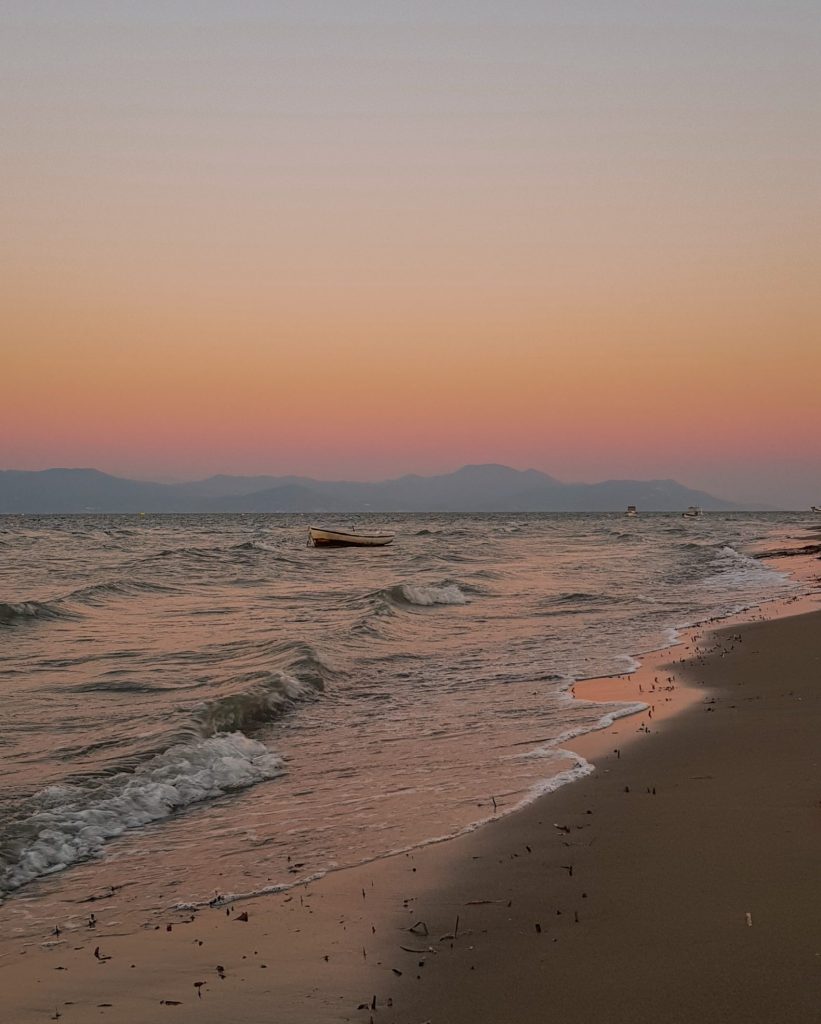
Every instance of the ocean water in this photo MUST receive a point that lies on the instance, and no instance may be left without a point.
(197, 706)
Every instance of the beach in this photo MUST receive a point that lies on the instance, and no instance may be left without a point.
(678, 882)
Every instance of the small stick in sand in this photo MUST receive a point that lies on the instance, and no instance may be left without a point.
(749, 919)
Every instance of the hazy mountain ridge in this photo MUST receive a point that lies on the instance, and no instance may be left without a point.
(484, 488)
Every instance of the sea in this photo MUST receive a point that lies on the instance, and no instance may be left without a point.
(195, 707)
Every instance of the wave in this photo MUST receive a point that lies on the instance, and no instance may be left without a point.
(69, 822)
(11, 613)
(732, 567)
(424, 596)
(120, 686)
(189, 552)
(252, 545)
(807, 549)
(574, 602)
(118, 588)
(268, 697)
(60, 607)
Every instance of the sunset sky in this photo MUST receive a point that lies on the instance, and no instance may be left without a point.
(358, 239)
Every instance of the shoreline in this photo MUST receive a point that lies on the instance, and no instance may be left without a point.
(676, 883)
(358, 901)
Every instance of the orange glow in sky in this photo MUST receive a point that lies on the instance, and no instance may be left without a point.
(292, 240)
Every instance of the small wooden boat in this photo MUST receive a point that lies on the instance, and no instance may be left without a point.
(693, 512)
(347, 538)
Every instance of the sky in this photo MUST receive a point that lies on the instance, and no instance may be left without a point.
(356, 239)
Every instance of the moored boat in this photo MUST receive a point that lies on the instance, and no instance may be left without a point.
(815, 508)
(693, 512)
(320, 537)
(631, 511)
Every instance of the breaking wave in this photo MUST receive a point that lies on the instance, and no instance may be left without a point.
(69, 822)
(269, 696)
(10, 613)
(409, 593)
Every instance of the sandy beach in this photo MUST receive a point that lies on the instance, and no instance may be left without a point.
(677, 882)
(410, 519)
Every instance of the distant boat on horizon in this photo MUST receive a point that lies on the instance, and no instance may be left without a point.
(693, 512)
(347, 538)
(815, 508)
(631, 511)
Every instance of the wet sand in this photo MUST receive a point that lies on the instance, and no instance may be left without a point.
(678, 882)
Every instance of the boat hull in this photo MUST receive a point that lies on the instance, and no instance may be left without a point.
(347, 538)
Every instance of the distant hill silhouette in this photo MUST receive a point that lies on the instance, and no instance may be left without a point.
(485, 488)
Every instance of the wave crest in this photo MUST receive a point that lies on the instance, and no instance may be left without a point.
(69, 823)
(268, 697)
(11, 613)
(409, 593)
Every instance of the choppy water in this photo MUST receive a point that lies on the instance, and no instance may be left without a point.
(202, 703)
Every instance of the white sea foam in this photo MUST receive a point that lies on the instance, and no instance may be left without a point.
(72, 822)
(553, 749)
(448, 594)
(579, 770)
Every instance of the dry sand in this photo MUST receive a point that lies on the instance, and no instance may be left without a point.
(679, 882)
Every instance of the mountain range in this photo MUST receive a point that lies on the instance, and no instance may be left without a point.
(484, 488)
